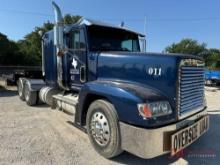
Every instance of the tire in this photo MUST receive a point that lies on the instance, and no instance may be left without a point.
(30, 96)
(103, 128)
(20, 88)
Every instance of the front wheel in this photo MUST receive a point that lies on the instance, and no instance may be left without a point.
(103, 128)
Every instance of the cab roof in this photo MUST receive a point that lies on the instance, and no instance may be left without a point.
(90, 22)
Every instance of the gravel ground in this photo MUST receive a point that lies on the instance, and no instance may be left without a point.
(39, 135)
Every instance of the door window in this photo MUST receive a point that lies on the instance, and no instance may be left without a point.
(77, 40)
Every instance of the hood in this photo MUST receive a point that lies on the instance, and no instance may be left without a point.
(157, 71)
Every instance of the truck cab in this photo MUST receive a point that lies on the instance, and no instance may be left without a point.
(84, 41)
(145, 103)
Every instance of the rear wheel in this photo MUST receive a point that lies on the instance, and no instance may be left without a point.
(103, 128)
(30, 96)
(20, 88)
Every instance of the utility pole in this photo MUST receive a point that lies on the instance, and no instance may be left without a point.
(145, 26)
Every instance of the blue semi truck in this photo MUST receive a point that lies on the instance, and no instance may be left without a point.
(124, 98)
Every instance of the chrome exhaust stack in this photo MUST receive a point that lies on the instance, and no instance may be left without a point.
(58, 42)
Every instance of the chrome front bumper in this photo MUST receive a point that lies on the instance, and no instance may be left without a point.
(150, 143)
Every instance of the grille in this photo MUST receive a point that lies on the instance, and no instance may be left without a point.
(191, 89)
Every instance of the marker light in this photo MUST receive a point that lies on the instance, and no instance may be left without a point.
(144, 111)
(154, 109)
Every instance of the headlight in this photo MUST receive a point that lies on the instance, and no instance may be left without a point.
(154, 109)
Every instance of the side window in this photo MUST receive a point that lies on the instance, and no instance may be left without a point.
(82, 40)
(77, 40)
(74, 40)
(130, 45)
(127, 45)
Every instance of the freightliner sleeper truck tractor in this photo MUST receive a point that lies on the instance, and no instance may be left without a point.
(125, 99)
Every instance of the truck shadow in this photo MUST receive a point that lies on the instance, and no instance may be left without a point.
(127, 158)
(214, 111)
(41, 105)
(7, 92)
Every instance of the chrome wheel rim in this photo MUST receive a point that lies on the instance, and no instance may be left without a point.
(100, 130)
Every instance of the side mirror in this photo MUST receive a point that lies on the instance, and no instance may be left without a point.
(142, 43)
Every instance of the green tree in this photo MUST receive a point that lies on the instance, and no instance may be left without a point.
(9, 51)
(30, 46)
(190, 46)
(69, 19)
(4, 47)
(212, 58)
(187, 46)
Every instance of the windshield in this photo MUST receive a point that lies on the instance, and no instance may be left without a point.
(110, 39)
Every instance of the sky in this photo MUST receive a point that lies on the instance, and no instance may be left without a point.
(163, 21)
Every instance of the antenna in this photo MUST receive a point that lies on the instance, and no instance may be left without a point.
(122, 24)
(145, 32)
(145, 26)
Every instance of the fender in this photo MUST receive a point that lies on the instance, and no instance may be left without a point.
(124, 96)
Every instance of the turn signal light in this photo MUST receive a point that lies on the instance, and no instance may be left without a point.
(144, 111)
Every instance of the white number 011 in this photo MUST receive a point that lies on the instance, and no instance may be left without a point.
(154, 71)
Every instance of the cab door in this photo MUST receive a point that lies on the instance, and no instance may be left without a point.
(77, 58)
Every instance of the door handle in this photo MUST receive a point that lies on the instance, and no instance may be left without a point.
(82, 74)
